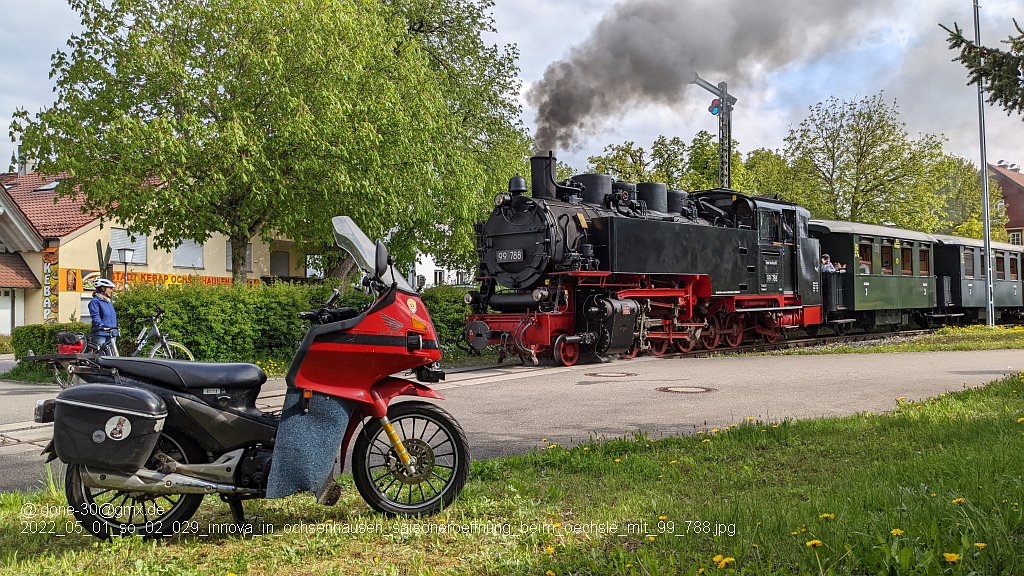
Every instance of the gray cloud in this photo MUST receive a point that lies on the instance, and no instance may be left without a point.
(647, 51)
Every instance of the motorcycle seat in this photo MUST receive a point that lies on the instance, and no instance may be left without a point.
(188, 375)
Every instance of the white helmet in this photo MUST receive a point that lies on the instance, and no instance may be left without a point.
(104, 283)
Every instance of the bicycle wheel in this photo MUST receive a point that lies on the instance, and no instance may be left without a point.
(60, 375)
(173, 351)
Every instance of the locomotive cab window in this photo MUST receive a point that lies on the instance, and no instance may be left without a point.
(907, 261)
(968, 263)
(1000, 266)
(923, 261)
(864, 265)
(769, 224)
(886, 259)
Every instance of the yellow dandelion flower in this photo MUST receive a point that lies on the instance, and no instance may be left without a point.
(629, 565)
(650, 538)
(673, 462)
(775, 425)
(552, 446)
(750, 418)
(732, 425)
(1020, 420)
(803, 530)
(543, 439)
(726, 561)
(586, 448)
(662, 517)
(700, 570)
(550, 573)
(901, 399)
(717, 558)
(813, 544)
(793, 533)
(827, 516)
(980, 545)
(754, 546)
(959, 501)
(550, 550)
(558, 525)
(618, 460)
(896, 532)
(951, 557)
(705, 441)
(933, 494)
(714, 430)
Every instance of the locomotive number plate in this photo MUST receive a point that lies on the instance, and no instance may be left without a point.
(509, 256)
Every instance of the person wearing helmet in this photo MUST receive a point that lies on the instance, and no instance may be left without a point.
(104, 317)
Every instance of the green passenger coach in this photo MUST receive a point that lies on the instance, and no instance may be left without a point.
(960, 273)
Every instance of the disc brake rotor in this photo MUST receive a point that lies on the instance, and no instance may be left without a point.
(423, 462)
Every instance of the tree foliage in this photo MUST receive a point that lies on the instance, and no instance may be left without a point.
(960, 197)
(185, 118)
(855, 160)
(999, 72)
(691, 167)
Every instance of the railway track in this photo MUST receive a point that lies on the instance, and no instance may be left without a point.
(784, 344)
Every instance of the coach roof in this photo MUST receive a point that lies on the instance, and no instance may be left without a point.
(960, 241)
(841, 227)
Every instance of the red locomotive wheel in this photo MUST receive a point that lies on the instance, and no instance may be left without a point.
(771, 337)
(712, 334)
(567, 353)
(734, 331)
(659, 346)
(684, 344)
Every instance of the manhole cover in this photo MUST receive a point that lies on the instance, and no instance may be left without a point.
(610, 374)
(685, 389)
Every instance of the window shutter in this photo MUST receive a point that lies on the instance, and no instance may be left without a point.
(120, 238)
(188, 254)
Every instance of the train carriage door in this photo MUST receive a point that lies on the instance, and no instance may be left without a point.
(790, 266)
(774, 268)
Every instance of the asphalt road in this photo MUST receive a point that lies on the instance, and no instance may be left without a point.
(514, 409)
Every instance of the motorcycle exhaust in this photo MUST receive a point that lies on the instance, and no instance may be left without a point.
(153, 482)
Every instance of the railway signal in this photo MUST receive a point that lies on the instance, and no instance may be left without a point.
(716, 107)
(721, 107)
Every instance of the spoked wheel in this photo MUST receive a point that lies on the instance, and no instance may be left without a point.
(438, 446)
(842, 329)
(771, 337)
(174, 350)
(733, 331)
(566, 353)
(60, 375)
(106, 512)
(659, 346)
(712, 334)
(684, 343)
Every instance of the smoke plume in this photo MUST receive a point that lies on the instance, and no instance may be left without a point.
(647, 52)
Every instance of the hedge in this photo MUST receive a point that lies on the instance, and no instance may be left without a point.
(235, 324)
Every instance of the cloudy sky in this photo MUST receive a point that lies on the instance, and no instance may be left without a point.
(627, 59)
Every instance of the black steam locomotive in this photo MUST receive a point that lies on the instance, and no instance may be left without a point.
(590, 264)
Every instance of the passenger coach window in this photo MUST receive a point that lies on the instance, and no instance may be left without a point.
(968, 263)
(983, 269)
(886, 259)
(907, 261)
(864, 258)
(923, 259)
(1013, 266)
(1000, 266)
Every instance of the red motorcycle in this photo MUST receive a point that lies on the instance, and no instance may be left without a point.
(146, 438)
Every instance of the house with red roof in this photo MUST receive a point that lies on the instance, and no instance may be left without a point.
(48, 256)
(1011, 182)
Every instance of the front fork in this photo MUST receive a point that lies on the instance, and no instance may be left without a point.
(396, 443)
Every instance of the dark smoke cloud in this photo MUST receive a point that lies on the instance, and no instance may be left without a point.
(647, 51)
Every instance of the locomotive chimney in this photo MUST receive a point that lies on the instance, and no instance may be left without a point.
(542, 176)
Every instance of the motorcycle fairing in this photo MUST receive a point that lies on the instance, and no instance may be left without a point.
(308, 442)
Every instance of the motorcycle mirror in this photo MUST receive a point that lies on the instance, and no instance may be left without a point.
(334, 296)
(380, 266)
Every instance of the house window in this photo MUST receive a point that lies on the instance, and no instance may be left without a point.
(968, 263)
(438, 277)
(886, 259)
(1015, 238)
(462, 278)
(1000, 266)
(280, 264)
(188, 254)
(923, 259)
(864, 257)
(248, 257)
(907, 261)
(120, 238)
(1013, 267)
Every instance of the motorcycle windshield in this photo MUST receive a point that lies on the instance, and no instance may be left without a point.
(352, 240)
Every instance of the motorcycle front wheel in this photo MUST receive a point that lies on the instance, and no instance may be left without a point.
(438, 445)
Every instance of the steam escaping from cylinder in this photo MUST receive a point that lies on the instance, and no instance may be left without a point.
(647, 51)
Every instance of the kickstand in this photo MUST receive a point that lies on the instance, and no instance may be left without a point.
(237, 513)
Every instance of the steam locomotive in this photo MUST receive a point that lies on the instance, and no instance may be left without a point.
(595, 265)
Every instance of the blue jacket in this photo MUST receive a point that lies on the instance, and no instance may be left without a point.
(103, 315)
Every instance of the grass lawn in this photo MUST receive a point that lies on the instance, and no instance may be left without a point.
(932, 488)
(946, 338)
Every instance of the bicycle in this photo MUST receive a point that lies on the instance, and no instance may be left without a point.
(163, 348)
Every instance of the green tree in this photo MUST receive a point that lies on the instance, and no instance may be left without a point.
(1000, 72)
(768, 174)
(960, 200)
(630, 162)
(183, 119)
(855, 160)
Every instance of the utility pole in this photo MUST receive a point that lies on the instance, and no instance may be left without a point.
(721, 106)
(990, 307)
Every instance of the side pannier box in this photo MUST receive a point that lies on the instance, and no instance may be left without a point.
(106, 426)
